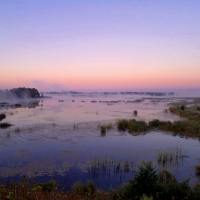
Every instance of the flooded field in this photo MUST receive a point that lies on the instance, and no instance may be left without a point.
(59, 138)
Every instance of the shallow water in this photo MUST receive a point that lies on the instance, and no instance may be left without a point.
(59, 138)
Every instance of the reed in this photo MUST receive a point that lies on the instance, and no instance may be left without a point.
(105, 127)
(171, 158)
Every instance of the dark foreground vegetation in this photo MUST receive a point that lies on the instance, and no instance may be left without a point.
(147, 184)
(188, 127)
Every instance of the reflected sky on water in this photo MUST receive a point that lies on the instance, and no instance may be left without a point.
(59, 139)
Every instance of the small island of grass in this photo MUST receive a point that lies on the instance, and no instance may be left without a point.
(189, 127)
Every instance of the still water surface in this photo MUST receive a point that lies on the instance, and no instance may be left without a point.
(59, 139)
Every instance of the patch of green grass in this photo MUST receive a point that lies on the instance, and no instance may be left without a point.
(137, 126)
(122, 124)
(154, 123)
(132, 125)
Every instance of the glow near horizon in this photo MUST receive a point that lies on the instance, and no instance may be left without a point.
(89, 45)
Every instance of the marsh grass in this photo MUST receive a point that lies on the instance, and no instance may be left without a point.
(109, 167)
(132, 125)
(188, 127)
(105, 127)
(191, 113)
(171, 158)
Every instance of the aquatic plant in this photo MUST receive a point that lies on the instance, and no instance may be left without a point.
(135, 112)
(2, 116)
(103, 129)
(109, 167)
(108, 126)
(190, 127)
(5, 125)
(122, 124)
(154, 123)
(137, 126)
(17, 130)
(171, 157)
(132, 125)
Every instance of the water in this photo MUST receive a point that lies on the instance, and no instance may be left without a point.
(59, 139)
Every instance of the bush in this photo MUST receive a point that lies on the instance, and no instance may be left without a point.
(144, 182)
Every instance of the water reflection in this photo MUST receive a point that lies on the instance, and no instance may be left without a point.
(21, 104)
(63, 141)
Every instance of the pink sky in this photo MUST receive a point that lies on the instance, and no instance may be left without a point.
(103, 45)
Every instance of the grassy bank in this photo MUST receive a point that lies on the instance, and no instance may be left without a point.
(147, 184)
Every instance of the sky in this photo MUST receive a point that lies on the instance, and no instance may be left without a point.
(89, 45)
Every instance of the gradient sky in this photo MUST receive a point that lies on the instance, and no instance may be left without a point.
(100, 45)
